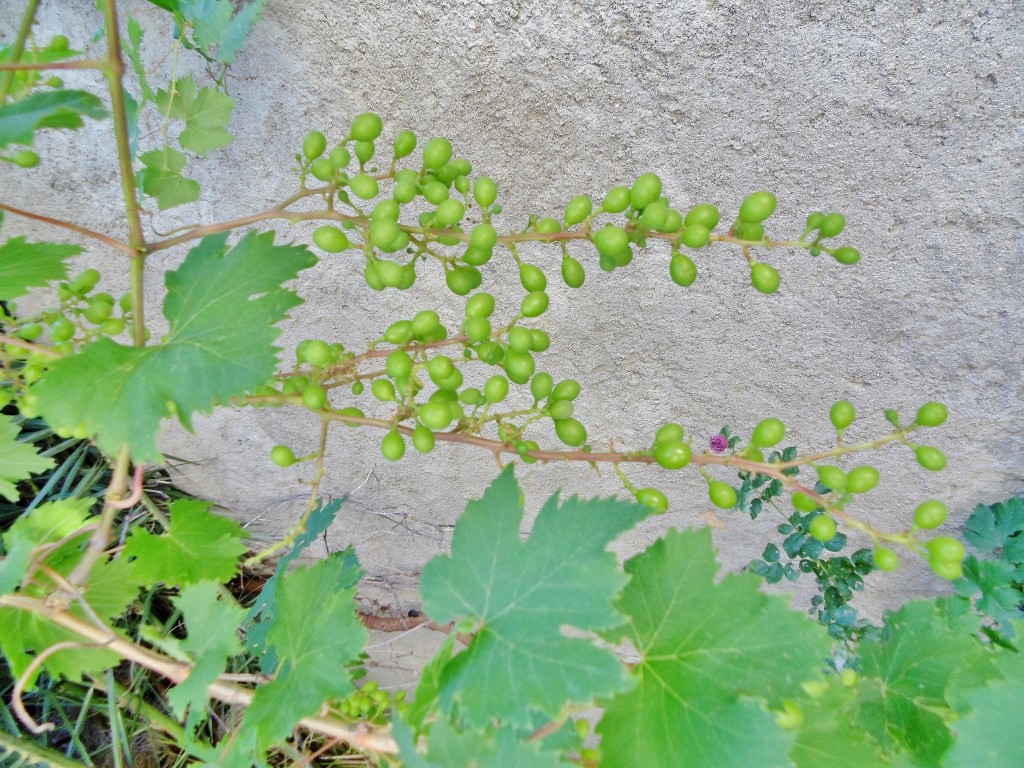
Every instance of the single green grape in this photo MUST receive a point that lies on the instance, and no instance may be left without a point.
(814, 220)
(561, 409)
(472, 396)
(764, 278)
(383, 232)
(440, 367)
(435, 414)
(722, 495)
(436, 152)
(823, 528)
(578, 209)
(483, 237)
(485, 191)
(339, 158)
(704, 214)
(548, 226)
(885, 559)
(846, 255)
(645, 190)
(519, 366)
(768, 432)
(672, 454)
(405, 143)
(610, 240)
(951, 571)
(62, 329)
(323, 169)
(364, 186)
(655, 215)
(477, 329)
(842, 413)
(25, 158)
(930, 458)
(520, 338)
(423, 438)
(571, 432)
(749, 230)
(832, 477)
(364, 150)
(98, 311)
(389, 273)
(491, 352)
(386, 209)
(758, 207)
(383, 390)
(695, 236)
(541, 385)
(930, 514)
(404, 192)
(932, 414)
(449, 213)
(682, 270)
(314, 397)
(804, 503)
(480, 305)
(399, 332)
(535, 303)
(569, 389)
(366, 127)
(539, 340)
(462, 280)
(654, 499)
(86, 280)
(282, 455)
(398, 364)
(831, 225)
(669, 432)
(862, 479)
(496, 388)
(393, 446)
(532, 278)
(424, 322)
(435, 192)
(318, 353)
(572, 272)
(945, 549)
(617, 200)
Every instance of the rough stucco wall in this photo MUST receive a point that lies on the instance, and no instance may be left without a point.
(905, 116)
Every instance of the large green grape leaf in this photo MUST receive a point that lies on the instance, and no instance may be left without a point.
(20, 120)
(222, 306)
(25, 265)
(998, 527)
(212, 639)
(46, 524)
(18, 461)
(713, 659)
(828, 723)
(162, 178)
(906, 672)
(315, 634)
(448, 748)
(206, 114)
(214, 23)
(199, 546)
(522, 595)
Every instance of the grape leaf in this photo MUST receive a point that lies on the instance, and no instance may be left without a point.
(998, 527)
(714, 657)
(214, 25)
(997, 582)
(907, 669)
(46, 524)
(222, 306)
(206, 114)
(990, 735)
(25, 265)
(212, 639)
(198, 546)
(827, 723)
(163, 179)
(18, 461)
(448, 748)
(20, 120)
(315, 634)
(522, 595)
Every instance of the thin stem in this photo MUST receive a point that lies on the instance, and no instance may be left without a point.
(77, 64)
(18, 46)
(116, 244)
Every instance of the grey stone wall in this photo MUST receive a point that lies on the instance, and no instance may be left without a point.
(905, 116)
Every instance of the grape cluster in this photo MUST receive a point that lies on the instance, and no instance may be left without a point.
(371, 704)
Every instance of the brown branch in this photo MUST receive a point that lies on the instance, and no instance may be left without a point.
(115, 244)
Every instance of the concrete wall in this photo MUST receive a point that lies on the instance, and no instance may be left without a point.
(905, 116)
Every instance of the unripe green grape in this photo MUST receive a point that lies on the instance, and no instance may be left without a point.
(59, 43)
(314, 397)
(85, 281)
(364, 151)
(55, 82)
(655, 215)
(749, 230)
(449, 213)
(31, 373)
(423, 438)
(539, 340)
(682, 270)
(282, 455)
(610, 240)
(561, 409)
(435, 414)
(951, 571)
(491, 352)
(398, 364)
(930, 514)
(30, 331)
(548, 226)
(842, 413)
(392, 447)
(477, 329)
(62, 329)
(672, 454)
(435, 192)
(823, 528)
(25, 158)
(722, 496)
(566, 390)
(294, 384)
(472, 396)
(930, 458)
(846, 255)
(764, 278)
(405, 143)
(832, 477)
(885, 559)
(436, 152)
(383, 390)
(318, 353)
(616, 201)
(831, 225)
(383, 232)
(572, 272)
(399, 332)
(535, 303)
(673, 221)
(932, 414)
(386, 209)
(451, 382)
(476, 257)
(460, 166)
(483, 237)
(653, 499)
(480, 305)
(945, 549)
(768, 432)
(389, 273)
(126, 302)
(323, 169)
(669, 432)
(519, 366)
(364, 186)
(424, 322)
(696, 236)
(571, 432)
(462, 280)
(485, 191)
(354, 412)
(758, 207)
(97, 311)
(704, 214)
(496, 388)
(440, 367)
(862, 479)
(532, 278)
(404, 192)
(541, 385)
(814, 220)
(113, 326)
(519, 338)
(578, 209)
(339, 157)
(462, 184)
(645, 190)
(366, 127)
(804, 503)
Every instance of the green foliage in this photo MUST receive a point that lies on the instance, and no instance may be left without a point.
(162, 178)
(222, 305)
(497, 748)
(18, 460)
(206, 113)
(519, 659)
(25, 265)
(20, 120)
